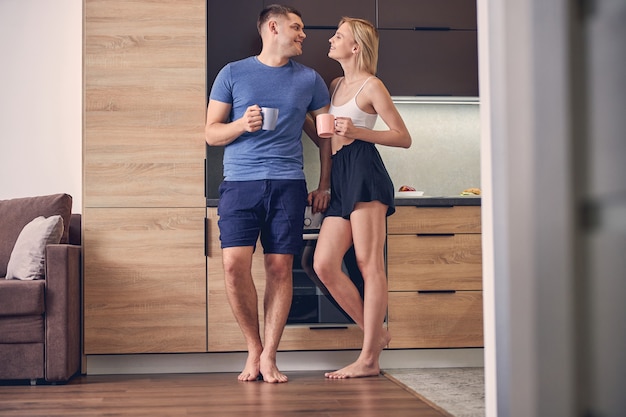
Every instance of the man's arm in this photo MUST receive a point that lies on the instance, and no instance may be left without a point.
(219, 133)
(320, 198)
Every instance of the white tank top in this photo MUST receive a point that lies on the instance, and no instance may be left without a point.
(352, 110)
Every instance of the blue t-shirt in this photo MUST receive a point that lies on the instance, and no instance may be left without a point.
(295, 90)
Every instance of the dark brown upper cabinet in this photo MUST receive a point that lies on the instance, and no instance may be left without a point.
(427, 14)
(325, 14)
(231, 33)
(429, 63)
(427, 47)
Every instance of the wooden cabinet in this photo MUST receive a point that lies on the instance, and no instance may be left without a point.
(427, 14)
(435, 320)
(301, 337)
(429, 62)
(428, 47)
(144, 287)
(224, 334)
(434, 266)
(326, 14)
(143, 165)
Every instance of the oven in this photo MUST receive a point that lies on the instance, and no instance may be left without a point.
(312, 304)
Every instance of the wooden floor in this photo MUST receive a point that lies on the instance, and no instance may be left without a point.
(307, 394)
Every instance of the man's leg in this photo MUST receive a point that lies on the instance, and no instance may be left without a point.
(281, 237)
(242, 297)
(277, 302)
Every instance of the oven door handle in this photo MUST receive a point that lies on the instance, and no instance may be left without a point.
(310, 236)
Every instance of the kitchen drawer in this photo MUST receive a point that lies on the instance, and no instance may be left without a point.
(455, 219)
(435, 320)
(304, 337)
(225, 335)
(434, 262)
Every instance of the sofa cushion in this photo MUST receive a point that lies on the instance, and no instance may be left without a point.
(27, 261)
(21, 298)
(21, 361)
(22, 329)
(18, 212)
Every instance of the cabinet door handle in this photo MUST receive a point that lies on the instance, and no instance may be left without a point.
(206, 237)
(328, 327)
(432, 28)
(435, 205)
(436, 291)
(322, 27)
(434, 234)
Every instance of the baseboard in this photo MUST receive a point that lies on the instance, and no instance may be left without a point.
(287, 361)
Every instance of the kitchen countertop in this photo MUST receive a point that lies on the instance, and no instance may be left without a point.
(425, 201)
(442, 201)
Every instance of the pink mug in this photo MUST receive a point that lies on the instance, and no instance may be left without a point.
(325, 124)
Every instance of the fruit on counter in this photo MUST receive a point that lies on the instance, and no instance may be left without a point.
(471, 191)
(406, 188)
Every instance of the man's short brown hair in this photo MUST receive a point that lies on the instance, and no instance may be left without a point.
(274, 10)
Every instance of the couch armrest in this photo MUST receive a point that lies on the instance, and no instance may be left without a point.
(63, 311)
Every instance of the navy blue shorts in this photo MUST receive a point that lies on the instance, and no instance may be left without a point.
(273, 209)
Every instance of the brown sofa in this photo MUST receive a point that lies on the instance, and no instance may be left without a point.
(40, 329)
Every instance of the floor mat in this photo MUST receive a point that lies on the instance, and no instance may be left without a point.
(458, 392)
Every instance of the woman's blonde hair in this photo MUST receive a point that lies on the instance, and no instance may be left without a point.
(366, 36)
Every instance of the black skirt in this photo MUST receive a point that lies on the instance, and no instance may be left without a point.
(358, 174)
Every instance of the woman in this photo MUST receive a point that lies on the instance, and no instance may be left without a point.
(362, 194)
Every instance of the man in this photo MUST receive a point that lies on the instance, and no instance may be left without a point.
(264, 190)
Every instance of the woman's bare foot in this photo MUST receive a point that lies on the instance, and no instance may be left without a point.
(358, 369)
(270, 373)
(251, 371)
(363, 367)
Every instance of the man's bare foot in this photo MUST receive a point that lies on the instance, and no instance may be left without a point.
(251, 371)
(270, 372)
(358, 369)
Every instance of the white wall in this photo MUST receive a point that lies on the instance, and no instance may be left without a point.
(41, 99)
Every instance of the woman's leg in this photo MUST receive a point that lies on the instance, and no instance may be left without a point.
(368, 234)
(334, 241)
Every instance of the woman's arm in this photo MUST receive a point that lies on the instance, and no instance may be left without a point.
(375, 97)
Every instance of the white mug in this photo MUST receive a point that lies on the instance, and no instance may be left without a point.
(270, 117)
